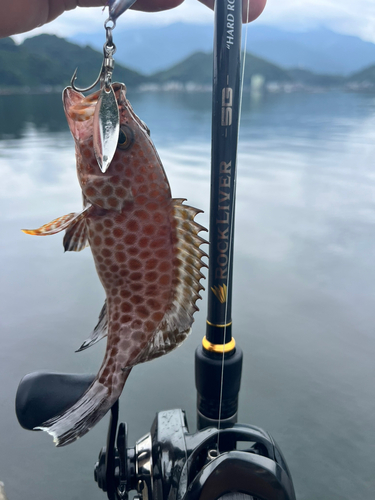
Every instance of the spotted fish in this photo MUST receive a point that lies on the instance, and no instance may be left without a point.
(147, 254)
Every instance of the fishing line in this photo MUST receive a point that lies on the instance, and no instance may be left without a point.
(231, 241)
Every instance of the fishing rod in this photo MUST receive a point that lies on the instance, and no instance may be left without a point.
(170, 463)
(218, 361)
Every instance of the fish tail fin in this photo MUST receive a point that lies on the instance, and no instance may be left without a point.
(76, 421)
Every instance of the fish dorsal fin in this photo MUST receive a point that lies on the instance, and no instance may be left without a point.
(177, 321)
(76, 236)
(99, 332)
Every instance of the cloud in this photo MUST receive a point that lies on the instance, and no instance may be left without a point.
(344, 16)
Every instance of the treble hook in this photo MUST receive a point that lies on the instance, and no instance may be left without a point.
(105, 74)
(77, 89)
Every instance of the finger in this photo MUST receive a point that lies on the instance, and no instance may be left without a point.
(251, 9)
(156, 5)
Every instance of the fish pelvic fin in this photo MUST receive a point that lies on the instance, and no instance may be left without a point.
(58, 224)
(85, 413)
(99, 332)
(177, 321)
(76, 236)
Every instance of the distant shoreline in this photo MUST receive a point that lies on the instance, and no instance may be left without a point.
(190, 87)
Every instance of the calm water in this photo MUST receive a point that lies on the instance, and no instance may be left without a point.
(304, 285)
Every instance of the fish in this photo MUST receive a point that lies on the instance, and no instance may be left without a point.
(146, 249)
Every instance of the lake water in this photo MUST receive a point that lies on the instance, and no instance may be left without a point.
(304, 285)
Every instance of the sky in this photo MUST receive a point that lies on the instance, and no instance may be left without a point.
(353, 17)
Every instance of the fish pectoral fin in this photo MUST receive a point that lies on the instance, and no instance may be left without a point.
(58, 224)
(99, 332)
(76, 236)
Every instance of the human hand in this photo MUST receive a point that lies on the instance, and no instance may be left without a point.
(251, 8)
(18, 16)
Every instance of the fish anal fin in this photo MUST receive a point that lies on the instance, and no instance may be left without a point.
(99, 332)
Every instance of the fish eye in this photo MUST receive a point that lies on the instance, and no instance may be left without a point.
(125, 137)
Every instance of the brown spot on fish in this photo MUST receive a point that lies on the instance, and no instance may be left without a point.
(141, 199)
(157, 316)
(120, 257)
(118, 232)
(134, 264)
(143, 242)
(120, 192)
(90, 191)
(130, 239)
(158, 217)
(157, 243)
(126, 307)
(136, 287)
(151, 276)
(135, 276)
(149, 326)
(164, 266)
(151, 263)
(137, 323)
(149, 230)
(133, 226)
(154, 304)
(136, 299)
(109, 242)
(164, 279)
(142, 311)
(152, 206)
(107, 190)
(141, 214)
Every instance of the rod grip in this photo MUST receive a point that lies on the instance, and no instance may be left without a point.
(215, 384)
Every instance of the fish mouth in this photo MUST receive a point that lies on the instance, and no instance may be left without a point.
(79, 110)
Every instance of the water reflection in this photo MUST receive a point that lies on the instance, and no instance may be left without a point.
(43, 111)
(304, 283)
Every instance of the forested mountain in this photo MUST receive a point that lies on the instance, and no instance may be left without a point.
(47, 62)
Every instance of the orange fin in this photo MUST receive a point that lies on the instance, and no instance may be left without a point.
(57, 225)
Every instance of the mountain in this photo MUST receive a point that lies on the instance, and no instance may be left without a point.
(197, 68)
(366, 75)
(310, 79)
(47, 60)
(362, 80)
(153, 48)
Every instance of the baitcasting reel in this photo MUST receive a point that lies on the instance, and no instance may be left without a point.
(240, 462)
